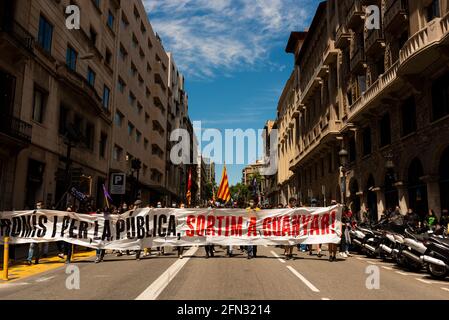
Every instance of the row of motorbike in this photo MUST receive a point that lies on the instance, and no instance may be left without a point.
(410, 247)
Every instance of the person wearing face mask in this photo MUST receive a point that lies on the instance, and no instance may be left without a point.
(138, 205)
(122, 210)
(35, 248)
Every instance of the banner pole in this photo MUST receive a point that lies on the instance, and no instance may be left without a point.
(5, 259)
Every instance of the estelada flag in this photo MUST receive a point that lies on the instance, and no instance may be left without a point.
(189, 186)
(223, 191)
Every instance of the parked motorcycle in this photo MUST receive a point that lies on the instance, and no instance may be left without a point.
(437, 256)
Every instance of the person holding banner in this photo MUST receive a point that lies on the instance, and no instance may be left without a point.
(36, 248)
(332, 247)
(252, 210)
(288, 249)
(138, 205)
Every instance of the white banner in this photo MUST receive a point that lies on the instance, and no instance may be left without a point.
(146, 228)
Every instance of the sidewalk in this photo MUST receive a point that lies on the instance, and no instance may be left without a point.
(19, 270)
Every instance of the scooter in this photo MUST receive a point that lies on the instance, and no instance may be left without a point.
(437, 256)
(412, 249)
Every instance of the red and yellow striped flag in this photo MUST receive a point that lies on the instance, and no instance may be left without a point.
(223, 191)
(189, 186)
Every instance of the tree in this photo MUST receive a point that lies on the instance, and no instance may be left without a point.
(240, 193)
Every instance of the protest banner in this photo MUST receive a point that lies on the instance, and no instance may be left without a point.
(145, 228)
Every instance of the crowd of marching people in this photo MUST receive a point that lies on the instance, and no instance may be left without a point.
(349, 221)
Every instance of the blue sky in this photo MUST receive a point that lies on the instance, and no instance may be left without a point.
(232, 55)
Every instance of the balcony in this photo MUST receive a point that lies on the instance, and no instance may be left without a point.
(374, 42)
(396, 15)
(18, 35)
(355, 15)
(323, 132)
(343, 37)
(423, 48)
(330, 54)
(376, 91)
(15, 128)
(80, 86)
(358, 62)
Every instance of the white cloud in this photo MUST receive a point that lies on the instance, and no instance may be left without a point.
(210, 36)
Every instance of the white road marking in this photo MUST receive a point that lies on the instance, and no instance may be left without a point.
(358, 258)
(402, 273)
(325, 299)
(45, 279)
(303, 279)
(156, 288)
(387, 268)
(277, 256)
(370, 262)
(424, 281)
(445, 289)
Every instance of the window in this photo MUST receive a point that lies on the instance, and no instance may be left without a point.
(142, 28)
(118, 119)
(124, 22)
(145, 143)
(123, 54)
(440, 97)
(117, 153)
(136, 13)
(106, 97)
(138, 136)
(93, 36)
(39, 105)
(97, 3)
(108, 57)
(132, 99)
(111, 19)
(63, 119)
(139, 108)
(130, 129)
(433, 10)
(90, 76)
(408, 112)
(90, 133)
(135, 42)
(385, 130)
(367, 146)
(147, 118)
(133, 70)
(121, 85)
(71, 57)
(45, 34)
(103, 143)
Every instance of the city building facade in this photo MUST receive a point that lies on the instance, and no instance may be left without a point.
(78, 105)
(370, 115)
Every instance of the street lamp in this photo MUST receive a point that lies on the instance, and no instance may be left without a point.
(389, 165)
(343, 154)
(136, 165)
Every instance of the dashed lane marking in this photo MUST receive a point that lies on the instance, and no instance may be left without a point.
(424, 281)
(277, 256)
(387, 268)
(445, 289)
(156, 288)
(303, 279)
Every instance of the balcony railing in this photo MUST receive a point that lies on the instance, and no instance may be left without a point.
(374, 90)
(396, 14)
(19, 34)
(81, 85)
(15, 128)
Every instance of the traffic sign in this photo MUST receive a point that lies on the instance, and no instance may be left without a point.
(118, 183)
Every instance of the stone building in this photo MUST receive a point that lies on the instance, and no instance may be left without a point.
(80, 104)
(380, 96)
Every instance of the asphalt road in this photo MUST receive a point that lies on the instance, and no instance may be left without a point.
(194, 277)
